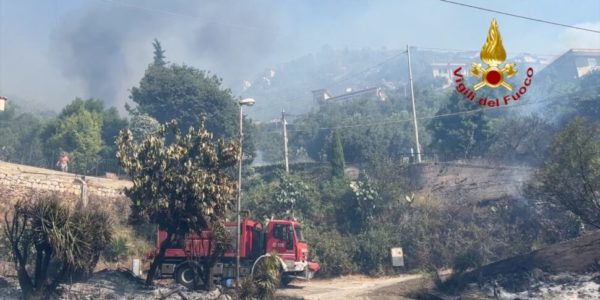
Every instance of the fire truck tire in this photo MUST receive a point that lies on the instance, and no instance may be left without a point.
(188, 275)
(285, 280)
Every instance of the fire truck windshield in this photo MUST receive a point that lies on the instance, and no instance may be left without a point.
(299, 234)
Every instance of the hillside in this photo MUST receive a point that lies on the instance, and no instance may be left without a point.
(288, 85)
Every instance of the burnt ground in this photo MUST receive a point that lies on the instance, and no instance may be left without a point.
(564, 286)
(115, 284)
(111, 284)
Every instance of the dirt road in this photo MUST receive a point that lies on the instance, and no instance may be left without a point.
(353, 287)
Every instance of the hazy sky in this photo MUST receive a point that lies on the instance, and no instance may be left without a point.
(52, 51)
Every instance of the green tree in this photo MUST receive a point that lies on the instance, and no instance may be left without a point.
(356, 207)
(337, 155)
(286, 196)
(570, 176)
(583, 96)
(9, 136)
(180, 184)
(368, 129)
(80, 135)
(184, 93)
(86, 131)
(19, 137)
(520, 139)
(143, 125)
(159, 54)
(112, 123)
(462, 134)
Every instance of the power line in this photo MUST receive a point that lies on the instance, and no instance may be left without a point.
(522, 17)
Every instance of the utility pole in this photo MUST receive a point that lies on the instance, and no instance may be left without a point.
(285, 142)
(412, 96)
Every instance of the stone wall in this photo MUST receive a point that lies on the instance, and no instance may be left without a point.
(19, 181)
(468, 181)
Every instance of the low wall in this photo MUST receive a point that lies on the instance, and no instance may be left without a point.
(463, 181)
(19, 181)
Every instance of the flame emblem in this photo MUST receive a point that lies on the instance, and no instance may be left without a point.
(493, 54)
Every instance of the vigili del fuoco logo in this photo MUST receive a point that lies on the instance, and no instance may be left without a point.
(493, 74)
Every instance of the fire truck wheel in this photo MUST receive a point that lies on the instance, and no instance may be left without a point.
(285, 280)
(188, 275)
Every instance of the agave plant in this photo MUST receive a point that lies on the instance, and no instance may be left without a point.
(42, 230)
(266, 276)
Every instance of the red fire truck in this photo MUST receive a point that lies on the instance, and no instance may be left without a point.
(184, 260)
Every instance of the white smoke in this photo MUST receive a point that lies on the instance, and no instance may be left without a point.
(575, 38)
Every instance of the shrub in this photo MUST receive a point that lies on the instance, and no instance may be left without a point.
(373, 251)
(333, 251)
(42, 232)
(118, 249)
(570, 176)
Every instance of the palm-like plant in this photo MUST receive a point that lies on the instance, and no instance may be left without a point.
(42, 230)
(267, 276)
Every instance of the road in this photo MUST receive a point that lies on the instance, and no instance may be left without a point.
(353, 287)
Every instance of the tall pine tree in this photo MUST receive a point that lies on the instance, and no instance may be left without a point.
(337, 155)
(159, 54)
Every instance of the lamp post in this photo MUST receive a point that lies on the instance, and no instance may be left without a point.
(247, 102)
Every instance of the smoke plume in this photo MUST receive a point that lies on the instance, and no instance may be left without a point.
(107, 45)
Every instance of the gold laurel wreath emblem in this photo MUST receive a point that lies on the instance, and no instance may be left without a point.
(493, 54)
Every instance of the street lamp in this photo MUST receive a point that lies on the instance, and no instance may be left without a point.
(246, 102)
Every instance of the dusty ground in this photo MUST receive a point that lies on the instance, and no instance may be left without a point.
(354, 287)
